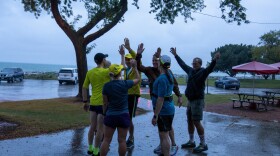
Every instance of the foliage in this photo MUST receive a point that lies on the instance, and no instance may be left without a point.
(105, 14)
(41, 76)
(232, 55)
(268, 50)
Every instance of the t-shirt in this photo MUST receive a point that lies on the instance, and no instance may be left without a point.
(163, 88)
(96, 77)
(117, 94)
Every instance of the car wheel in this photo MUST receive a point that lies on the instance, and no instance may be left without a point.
(60, 82)
(224, 86)
(237, 88)
(216, 85)
(13, 80)
(20, 78)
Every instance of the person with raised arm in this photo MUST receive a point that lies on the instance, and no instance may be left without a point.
(195, 95)
(162, 100)
(115, 106)
(152, 73)
(134, 92)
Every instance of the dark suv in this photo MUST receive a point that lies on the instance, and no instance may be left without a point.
(11, 74)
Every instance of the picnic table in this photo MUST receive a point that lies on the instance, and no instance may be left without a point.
(258, 100)
(275, 96)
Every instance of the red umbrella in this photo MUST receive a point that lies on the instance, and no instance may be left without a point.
(277, 65)
(256, 67)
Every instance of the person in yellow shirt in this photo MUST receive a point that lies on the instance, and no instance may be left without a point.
(134, 92)
(95, 77)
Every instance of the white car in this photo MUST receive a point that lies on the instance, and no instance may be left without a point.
(68, 75)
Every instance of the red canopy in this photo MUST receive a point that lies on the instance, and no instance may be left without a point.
(256, 67)
(277, 65)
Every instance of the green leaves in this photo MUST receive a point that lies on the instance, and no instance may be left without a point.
(233, 11)
(232, 55)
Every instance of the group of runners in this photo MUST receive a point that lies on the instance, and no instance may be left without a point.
(114, 99)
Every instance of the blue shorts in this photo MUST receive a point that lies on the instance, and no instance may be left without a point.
(97, 109)
(114, 121)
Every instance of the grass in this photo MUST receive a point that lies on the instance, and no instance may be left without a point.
(210, 99)
(244, 83)
(43, 116)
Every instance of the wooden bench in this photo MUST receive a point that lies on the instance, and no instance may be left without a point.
(234, 101)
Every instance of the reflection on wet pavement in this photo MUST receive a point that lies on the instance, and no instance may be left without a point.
(225, 135)
(46, 89)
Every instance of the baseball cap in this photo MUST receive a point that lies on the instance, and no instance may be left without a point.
(165, 60)
(115, 69)
(129, 56)
(98, 58)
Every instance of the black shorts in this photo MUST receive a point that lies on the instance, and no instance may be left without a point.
(132, 105)
(114, 121)
(164, 123)
(97, 109)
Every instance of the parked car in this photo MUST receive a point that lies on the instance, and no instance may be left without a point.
(68, 75)
(144, 80)
(227, 82)
(11, 74)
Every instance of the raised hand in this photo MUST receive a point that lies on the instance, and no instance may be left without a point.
(133, 63)
(140, 48)
(158, 52)
(173, 51)
(126, 44)
(217, 56)
(121, 50)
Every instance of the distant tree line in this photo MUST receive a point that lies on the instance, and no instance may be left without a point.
(267, 51)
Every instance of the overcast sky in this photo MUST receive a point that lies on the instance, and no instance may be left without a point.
(23, 38)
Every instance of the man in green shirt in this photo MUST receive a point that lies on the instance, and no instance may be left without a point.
(95, 77)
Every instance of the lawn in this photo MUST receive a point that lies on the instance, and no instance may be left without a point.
(244, 83)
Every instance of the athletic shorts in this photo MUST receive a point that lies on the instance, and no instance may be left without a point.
(195, 110)
(132, 105)
(114, 121)
(97, 109)
(164, 123)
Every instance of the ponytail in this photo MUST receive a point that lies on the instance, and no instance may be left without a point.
(168, 74)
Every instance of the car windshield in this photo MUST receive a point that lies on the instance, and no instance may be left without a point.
(65, 71)
(232, 78)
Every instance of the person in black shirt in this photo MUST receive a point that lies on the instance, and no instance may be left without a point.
(195, 95)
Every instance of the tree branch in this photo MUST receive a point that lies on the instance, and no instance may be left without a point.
(61, 22)
(107, 27)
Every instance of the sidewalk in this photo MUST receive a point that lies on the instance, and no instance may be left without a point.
(225, 135)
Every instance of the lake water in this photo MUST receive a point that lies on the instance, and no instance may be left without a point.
(32, 67)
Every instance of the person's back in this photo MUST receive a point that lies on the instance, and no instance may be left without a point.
(97, 77)
(117, 93)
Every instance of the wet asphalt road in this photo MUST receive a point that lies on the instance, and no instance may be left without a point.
(46, 89)
(225, 136)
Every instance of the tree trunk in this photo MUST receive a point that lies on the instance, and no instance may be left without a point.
(81, 60)
(273, 77)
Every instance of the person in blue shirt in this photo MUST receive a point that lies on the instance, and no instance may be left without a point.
(163, 104)
(115, 107)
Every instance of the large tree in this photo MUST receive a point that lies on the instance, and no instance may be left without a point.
(268, 49)
(232, 55)
(105, 14)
